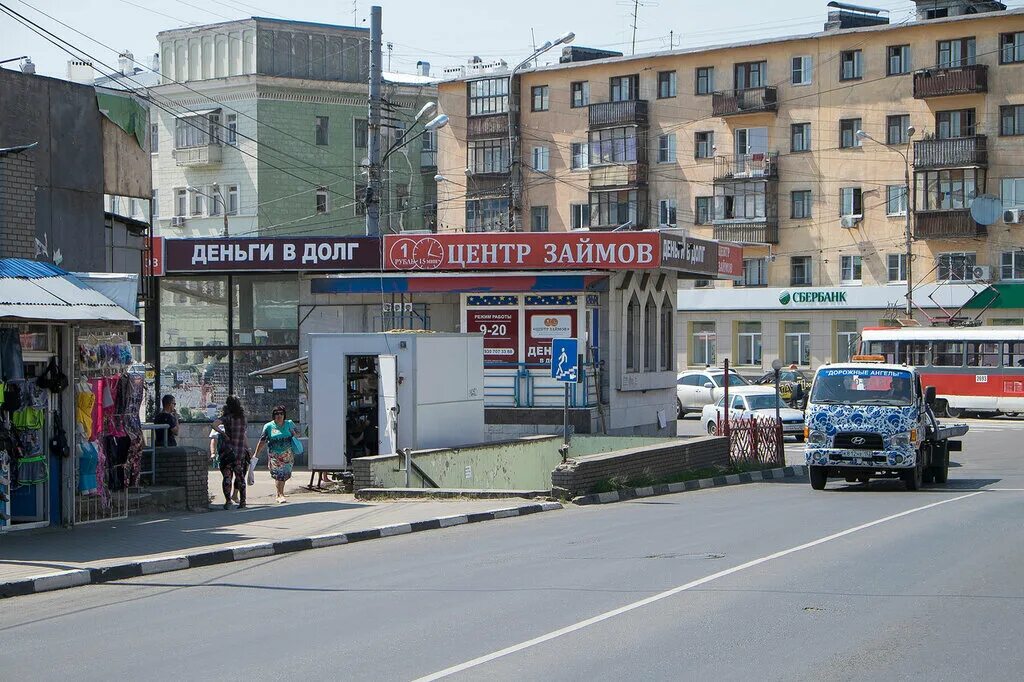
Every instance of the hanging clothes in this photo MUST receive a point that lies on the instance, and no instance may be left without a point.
(12, 366)
(85, 403)
(88, 462)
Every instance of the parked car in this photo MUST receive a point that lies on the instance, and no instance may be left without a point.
(696, 388)
(793, 385)
(754, 400)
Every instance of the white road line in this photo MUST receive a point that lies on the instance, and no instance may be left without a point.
(674, 591)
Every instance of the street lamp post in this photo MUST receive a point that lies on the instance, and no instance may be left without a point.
(223, 204)
(909, 236)
(436, 123)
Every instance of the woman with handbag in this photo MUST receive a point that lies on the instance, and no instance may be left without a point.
(234, 450)
(281, 438)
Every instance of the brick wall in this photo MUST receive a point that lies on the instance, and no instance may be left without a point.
(185, 467)
(577, 476)
(17, 205)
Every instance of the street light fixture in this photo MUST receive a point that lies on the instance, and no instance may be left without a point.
(223, 204)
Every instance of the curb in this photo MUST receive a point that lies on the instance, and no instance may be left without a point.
(146, 567)
(686, 486)
(447, 494)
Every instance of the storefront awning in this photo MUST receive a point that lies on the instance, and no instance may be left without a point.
(41, 292)
(196, 112)
(998, 297)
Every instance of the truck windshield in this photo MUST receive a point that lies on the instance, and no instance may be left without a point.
(847, 386)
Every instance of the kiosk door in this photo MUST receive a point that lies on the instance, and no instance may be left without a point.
(387, 415)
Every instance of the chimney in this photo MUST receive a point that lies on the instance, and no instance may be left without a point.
(423, 68)
(126, 63)
(28, 66)
(154, 63)
(80, 71)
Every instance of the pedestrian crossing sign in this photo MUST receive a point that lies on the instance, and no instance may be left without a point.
(565, 360)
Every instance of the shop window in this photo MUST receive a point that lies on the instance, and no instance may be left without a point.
(199, 380)
(650, 337)
(265, 310)
(667, 361)
(749, 338)
(260, 396)
(796, 343)
(846, 340)
(703, 344)
(194, 308)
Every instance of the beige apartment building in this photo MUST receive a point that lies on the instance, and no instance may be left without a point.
(757, 143)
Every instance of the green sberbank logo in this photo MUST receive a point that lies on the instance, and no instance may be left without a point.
(812, 296)
(784, 298)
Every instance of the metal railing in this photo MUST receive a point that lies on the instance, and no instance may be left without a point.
(631, 112)
(522, 386)
(745, 101)
(742, 166)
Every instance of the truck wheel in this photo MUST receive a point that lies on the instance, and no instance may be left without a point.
(928, 475)
(941, 470)
(912, 477)
(818, 476)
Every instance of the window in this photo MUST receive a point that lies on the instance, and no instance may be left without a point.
(197, 203)
(667, 212)
(850, 270)
(483, 215)
(704, 342)
(488, 156)
(801, 203)
(957, 123)
(750, 75)
(666, 84)
(982, 354)
(755, 272)
(216, 203)
(668, 360)
(956, 266)
(796, 343)
(632, 335)
(749, 340)
(704, 145)
(650, 336)
(540, 157)
(1011, 120)
(539, 98)
(580, 94)
(896, 129)
(895, 200)
(667, 148)
(848, 128)
(1011, 48)
(196, 131)
(625, 88)
(702, 210)
(323, 203)
(1012, 192)
(614, 208)
(1013, 353)
(897, 267)
(702, 284)
(1012, 265)
(180, 203)
(428, 149)
(959, 52)
(539, 218)
(947, 189)
(800, 271)
(232, 197)
(323, 130)
(154, 138)
(850, 201)
(580, 156)
(613, 145)
(800, 136)
(948, 353)
(231, 129)
(801, 70)
(359, 133)
(740, 201)
(154, 204)
(846, 340)
(488, 96)
(851, 65)
(705, 80)
(579, 215)
(897, 60)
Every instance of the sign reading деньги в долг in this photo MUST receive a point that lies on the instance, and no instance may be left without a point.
(813, 297)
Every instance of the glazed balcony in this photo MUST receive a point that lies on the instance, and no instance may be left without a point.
(958, 80)
(631, 112)
(630, 175)
(198, 156)
(954, 152)
(748, 101)
(487, 126)
(946, 224)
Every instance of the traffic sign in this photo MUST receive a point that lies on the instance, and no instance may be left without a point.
(565, 360)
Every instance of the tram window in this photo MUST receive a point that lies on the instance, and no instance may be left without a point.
(914, 353)
(982, 354)
(1013, 354)
(948, 354)
(886, 349)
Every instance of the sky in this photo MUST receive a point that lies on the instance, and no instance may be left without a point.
(443, 32)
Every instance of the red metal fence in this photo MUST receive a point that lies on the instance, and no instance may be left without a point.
(754, 441)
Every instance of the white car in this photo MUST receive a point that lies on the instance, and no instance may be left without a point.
(754, 400)
(696, 388)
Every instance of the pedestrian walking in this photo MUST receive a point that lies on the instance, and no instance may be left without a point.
(234, 450)
(280, 435)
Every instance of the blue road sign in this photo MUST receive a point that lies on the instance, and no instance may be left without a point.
(565, 360)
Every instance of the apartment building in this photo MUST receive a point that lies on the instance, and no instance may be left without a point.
(796, 147)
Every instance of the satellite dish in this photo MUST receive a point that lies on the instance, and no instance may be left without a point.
(986, 209)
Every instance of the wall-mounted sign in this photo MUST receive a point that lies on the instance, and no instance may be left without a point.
(812, 297)
(276, 254)
(689, 254)
(501, 333)
(730, 260)
(543, 325)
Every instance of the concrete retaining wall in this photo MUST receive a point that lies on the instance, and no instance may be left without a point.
(186, 467)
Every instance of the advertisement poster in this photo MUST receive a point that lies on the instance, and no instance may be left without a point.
(501, 334)
(542, 325)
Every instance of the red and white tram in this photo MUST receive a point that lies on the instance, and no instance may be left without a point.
(973, 369)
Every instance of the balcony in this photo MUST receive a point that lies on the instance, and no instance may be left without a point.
(947, 224)
(748, 101)
(744, 231)
(618, 175)
(954, 152)
(960, 80)
(747, 166)
(487, 126)
(202, 155)
(632, 112)
(428, 158)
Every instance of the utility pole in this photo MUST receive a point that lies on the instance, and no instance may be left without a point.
(373, 128)
(909, 234)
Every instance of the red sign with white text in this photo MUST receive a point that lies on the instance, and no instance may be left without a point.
(730, 260)
(155, 266)
(501, 333)
(544, 324)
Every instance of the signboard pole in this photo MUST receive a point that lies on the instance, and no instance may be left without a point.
(565, 368)
(565, 417)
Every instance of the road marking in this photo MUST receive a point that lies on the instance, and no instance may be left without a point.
(674, 591)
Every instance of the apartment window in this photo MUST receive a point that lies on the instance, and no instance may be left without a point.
(704, 344)
(180, 202)
(705, 80)
(897, 60)
(539, 98)
(216, 203)
(750, 75)
(541, 157)
(154, 138)
(1011, 48)
(704, 145)
(895, 200)
(488, 156)
(667, 212)
(947, 189)
(959, 52)
(580, 94)
(613, 145)
(796, 343)
(1011, 120)
(483, 215)
(846, 340)
(740, 201)
(850, 270)
(748, 336)
(801, 74)
(539, 218)
(955, 123)
(667, 148)
(579, 215)
(800, 271)
(625, 88)
(801, 200)
(154, 204)
(1011, 265)
(848, 128)
(896, 129)
(197, 204)
(1012, 192)
(196, 131)
(323, 201)
(851, 65)
(231, 129)
(580, 155)
(755, 272)
(359, 133)
(896, 267)
(323, 130)
(850, 202)
(488, 96)
(666, 84)
(614, 208)
(956, 266)
(702, 210)
(800, 136)
(232, 197)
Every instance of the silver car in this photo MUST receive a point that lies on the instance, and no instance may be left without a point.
(696, 388)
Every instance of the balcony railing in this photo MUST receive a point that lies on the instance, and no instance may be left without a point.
(632, 112)
(487, 126)
(746, 166)
(763, 231)
(748, 101)
(958, 80)
(952, 152)
(204, 155)
(618, 175)
(946, 224)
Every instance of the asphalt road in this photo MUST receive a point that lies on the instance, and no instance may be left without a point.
(768, 581)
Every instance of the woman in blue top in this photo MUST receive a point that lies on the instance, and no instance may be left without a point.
(278, 436)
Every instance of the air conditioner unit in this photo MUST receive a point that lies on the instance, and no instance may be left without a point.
(849, 221)
(178, 221)
(1011, 216)
(981, 272)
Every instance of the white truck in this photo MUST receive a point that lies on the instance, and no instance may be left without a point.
(869, 420)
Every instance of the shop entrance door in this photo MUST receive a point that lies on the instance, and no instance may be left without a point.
(387, 417)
